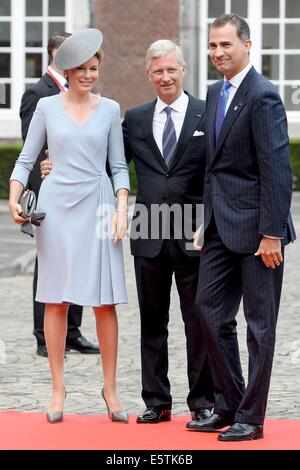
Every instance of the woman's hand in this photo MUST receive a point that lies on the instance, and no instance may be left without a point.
(119, 225)
(15, 192)
(16, 210)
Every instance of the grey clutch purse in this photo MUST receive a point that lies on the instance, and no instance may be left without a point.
(28, 204)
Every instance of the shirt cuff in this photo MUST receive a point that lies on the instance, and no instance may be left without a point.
(273, 238)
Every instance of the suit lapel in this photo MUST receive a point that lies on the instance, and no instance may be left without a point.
(235, 108)
(53, 88)
(193, 116)
(147, 126)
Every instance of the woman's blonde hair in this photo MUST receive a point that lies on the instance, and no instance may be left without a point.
(100, 55)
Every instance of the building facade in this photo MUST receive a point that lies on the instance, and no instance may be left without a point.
(129, 26)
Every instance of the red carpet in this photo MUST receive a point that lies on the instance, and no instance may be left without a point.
(30, 431)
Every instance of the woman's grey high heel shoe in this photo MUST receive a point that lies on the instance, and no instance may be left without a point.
(116, 416)
(55, 416)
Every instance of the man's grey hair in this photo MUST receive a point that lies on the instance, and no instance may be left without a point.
(161, 48)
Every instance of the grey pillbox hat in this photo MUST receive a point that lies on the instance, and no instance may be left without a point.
(78, 49)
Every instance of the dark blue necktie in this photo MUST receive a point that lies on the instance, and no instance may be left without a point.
(169, 137)
(221, 108)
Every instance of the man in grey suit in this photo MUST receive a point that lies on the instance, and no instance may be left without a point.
(247, 196)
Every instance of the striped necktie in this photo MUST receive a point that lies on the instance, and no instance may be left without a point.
(221, 108)
(169, 137)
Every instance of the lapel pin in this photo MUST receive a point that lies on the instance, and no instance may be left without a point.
(238, 106)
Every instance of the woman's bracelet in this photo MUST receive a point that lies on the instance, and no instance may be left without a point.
(122, 212)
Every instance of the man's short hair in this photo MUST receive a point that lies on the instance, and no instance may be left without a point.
(54, 42)
(161, 48)
(242, 27)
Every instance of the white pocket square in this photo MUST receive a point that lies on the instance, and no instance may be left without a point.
(198, 133)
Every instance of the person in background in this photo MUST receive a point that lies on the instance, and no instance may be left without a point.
(52, 83)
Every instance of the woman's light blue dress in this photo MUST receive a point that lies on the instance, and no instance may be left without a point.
(77, 259)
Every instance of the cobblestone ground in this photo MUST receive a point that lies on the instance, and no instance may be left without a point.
(25, 378)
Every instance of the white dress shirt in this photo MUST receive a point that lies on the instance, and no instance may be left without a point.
(178, 112)
(235, 83)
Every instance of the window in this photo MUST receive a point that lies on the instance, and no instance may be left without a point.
(275, 26)
(25, 27)
(42, 20)
(34, 8)
(5, 54)
(5, 9)
(281, 46)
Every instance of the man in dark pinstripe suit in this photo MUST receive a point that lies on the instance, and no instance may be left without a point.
(247, 198)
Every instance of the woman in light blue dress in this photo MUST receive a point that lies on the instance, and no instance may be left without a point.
(79, 247)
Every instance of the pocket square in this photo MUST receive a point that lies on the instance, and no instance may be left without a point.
(198, 133)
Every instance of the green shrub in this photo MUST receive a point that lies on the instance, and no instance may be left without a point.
(8, 156)
(133, 180)
(295, 159)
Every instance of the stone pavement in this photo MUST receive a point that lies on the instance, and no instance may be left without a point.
(24, 376)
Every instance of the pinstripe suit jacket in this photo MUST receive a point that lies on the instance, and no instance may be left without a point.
(248, 181)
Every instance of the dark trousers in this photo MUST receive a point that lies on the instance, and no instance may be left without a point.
(225, 278)
(154, 279)
(74, 316)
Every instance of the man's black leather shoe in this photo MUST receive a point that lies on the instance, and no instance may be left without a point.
(41, 350)
(242, 432)
(211, 424)
(154, 415)
(82, 345)
(201, 414)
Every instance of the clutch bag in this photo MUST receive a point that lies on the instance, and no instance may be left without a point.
(28, 204)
